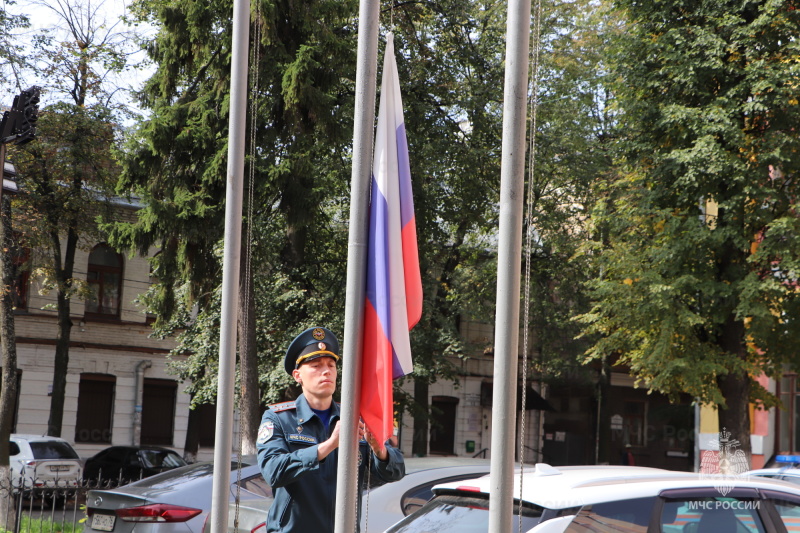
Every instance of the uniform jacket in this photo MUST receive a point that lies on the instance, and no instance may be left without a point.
(305, 488)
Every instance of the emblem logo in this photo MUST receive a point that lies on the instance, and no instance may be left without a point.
(318, 333)
(98, 500)
(726, 464)
(321, 346)
(265, 432)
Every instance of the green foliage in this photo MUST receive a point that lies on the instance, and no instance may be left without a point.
(66, 176)
(47, 525)
(709, 99)
(12, 56)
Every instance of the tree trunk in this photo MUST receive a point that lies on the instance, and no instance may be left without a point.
(192, 443)
(8, 392)
(61, 362)
(249, 412)
(735, 388)
(420, 443)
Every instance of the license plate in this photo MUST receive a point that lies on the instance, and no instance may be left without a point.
(103, 522)
(59, 468)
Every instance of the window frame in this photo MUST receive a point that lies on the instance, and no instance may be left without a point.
(82, 423)
(100, 283)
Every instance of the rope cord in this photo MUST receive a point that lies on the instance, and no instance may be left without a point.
(255, 58)
(535, 49)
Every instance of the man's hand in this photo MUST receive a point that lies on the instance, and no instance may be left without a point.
(377, 447)
(326, 447)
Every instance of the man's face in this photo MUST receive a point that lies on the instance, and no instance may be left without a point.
(317, 377)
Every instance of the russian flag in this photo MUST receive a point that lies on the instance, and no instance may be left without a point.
(393, 302)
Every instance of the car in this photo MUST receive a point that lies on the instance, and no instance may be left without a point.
(783, 467)
(383, 504)
(42, 462)
(175, 501)
(388, 503)
(605, 498)
(118, 465)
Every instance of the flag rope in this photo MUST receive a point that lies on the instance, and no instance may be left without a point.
(534, 98)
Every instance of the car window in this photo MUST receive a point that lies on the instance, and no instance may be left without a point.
(419, 495)
(13, 448)
(631, 516)
(789, 510)
(257, 485)
(698, 515)
(161, 459)
(460, 514)
(52, 450)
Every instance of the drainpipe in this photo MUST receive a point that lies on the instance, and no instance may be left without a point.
(137, 400)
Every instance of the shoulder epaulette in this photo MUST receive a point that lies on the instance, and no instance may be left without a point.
(283, 406)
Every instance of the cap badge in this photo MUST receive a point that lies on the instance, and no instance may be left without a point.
(321, 346)
(318, 333)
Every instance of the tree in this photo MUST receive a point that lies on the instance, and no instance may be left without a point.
(67, 176)
(63, 176)
(694, 236)
(302, 87)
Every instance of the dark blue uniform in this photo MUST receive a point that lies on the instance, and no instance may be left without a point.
(305, 488)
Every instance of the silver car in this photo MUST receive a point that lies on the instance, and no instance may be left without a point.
(382, 505)
(176, 501)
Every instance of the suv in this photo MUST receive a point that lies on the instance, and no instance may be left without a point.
(615, 499)
(43, 462)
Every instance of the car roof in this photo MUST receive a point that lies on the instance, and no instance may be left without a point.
(34, 438)
(782, 470)
(415, 464)
(571, 486)
(142, 447)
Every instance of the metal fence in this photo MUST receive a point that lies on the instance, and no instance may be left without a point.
(52, 507)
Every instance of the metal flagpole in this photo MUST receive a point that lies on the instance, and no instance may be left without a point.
(366, 75)
(509, 253)
(230, 268)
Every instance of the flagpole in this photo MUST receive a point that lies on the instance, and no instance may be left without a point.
(512, 181)
(220, 492)
(366, 75)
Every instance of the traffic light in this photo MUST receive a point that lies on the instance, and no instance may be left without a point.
(19, 124)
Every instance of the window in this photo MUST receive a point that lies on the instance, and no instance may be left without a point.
(734, 513)
(631, 516)
(207, 422)
(158, 411)
(55, 449)
(787, 507)
(634, 416)
(95, 408)
(257, 485)
(105, 281)
(443, 424)
(21, 265)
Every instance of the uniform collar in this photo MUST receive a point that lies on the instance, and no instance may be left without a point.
(304, 412)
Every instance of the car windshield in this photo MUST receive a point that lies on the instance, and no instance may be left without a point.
(460, 514)
(161, 459)
(53, 450)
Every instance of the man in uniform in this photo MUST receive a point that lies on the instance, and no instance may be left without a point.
(298, 442)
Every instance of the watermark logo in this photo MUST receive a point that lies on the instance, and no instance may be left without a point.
(726, 465)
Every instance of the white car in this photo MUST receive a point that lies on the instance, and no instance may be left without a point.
(616, 499)
(43, 462)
